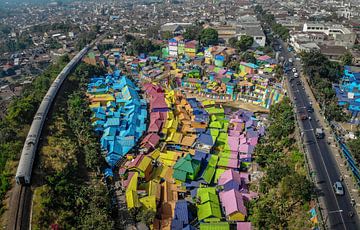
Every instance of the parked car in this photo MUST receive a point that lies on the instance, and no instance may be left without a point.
(296, 75)
(338, 188)
(294, 70)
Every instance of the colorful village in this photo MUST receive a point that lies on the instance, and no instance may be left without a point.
(177, 150)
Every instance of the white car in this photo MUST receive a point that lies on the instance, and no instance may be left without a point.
(294, 70)
(290, 60)
(296, 75)
(339, 190)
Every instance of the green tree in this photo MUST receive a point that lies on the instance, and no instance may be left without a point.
(193, 32)
(234, 65)
(209, 36)
(245, 42)
(233, 42)
(166, 35)
(248, 57)
(346, 58)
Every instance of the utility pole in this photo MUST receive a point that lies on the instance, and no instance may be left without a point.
(327, 216)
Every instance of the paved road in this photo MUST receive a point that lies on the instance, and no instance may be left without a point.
(326, 169)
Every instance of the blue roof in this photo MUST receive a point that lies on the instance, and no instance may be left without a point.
(112, 122)
(181, 214)
(205, 139)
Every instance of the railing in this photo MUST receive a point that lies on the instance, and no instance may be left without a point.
(349, 158)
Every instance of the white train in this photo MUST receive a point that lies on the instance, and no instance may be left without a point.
(23, 173)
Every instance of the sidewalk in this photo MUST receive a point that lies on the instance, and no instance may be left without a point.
(335, 150)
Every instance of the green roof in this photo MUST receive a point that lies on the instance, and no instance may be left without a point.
(209, 210)
(187, 164)
(215, 124)
(209, 197)
(179, 175)
(215, 226)
(223, 161)
(208, 174)
(213, 160)
(218, 174)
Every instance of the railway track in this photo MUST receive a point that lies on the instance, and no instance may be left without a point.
(21, 199)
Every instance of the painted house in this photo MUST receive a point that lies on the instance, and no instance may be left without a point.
(248, 68)
(121, 100)
(233, 203)
(209, 206)
(191, 48)
(348, 91)
(186, 168)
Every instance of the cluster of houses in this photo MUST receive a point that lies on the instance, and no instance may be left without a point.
(119, 114)
(348, 91)
(190, 167)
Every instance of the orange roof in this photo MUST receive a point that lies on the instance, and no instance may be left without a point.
(188, 140)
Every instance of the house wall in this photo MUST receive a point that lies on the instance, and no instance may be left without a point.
(237, 216)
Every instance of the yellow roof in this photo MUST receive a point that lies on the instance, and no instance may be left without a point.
(133, 182)
(149, 202)
(102, 97)
(154, 189)
(132, 199)
(155, 154)
(208, 102)
(95, 105)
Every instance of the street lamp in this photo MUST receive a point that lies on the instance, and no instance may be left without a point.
(331, 212)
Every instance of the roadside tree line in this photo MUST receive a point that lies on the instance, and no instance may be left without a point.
(285, 191)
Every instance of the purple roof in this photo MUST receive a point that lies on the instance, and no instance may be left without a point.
(233, 202)
(251, 133)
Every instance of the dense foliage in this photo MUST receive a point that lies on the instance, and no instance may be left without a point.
(140, 45)
(270, 21)
(284, 190)
(71, 195)
(193, 32)
(209, 36)
(244, 43)
(21, 42)
(322, 73)
(14, 127)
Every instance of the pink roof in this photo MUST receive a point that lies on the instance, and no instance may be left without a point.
(233, 143)
(243, 226)
(234, 133)
(245, 177)
(246, 148)
(136, 161)
(249, 196)
(152, 139)
(229, 175)
(242, 141)
(155, 126)
(126, 182)
(233, 202)
(158, 102)
(263, 58)
(253, 141)
(233, 163)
